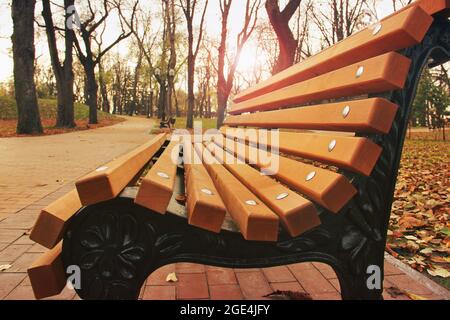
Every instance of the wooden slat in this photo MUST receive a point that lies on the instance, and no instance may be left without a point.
(373, 115)
(205, 208)
(297, 214)
(157, 186)
(431, 7)
(256, 221)
(327, 188)
(398, 31)
(383, 73)
(108, 181)
(47, 274)
(353, 153)
(52, 221)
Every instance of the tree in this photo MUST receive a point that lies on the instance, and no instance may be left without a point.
(88, 58)
(431, 101)
(225, 82)
(147, 44)
(396, 4)
(339, 19)
(189, 7)
(22, 12)
(63, 72)
(280, 23)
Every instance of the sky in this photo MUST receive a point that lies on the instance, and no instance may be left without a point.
(212, 25)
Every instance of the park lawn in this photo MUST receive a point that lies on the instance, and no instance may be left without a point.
(419, 232)
(48, 111)
(180, 123)
(206, 123)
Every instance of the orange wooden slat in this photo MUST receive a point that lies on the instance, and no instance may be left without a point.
(204, 206)
(52, 221)
(379, 74)
(352, 153)
(255, 220)
(431, 7)
(108, 181)
(330, 189)
(297, 214)
(47, 274)
(373, 115)
(398, 31)
(157, 186)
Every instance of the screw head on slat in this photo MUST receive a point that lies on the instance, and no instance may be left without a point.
(346, 111)
(163, 175)
(332, 145)
(360, 71)
(376, 28)
(207, 191)
(101, 169)
(251, 202)
(282, 196)
(310, 176)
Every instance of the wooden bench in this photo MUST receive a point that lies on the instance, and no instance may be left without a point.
(326, 190)
(169, 123)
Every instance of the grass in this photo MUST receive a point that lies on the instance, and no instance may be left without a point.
(48, 112)
(206, 123)
(181, 124)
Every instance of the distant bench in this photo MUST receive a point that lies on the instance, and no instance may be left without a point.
(342, 116)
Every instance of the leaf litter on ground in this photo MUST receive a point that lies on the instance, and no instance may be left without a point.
(419, 223)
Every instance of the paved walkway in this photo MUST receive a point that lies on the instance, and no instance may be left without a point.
(36, 171)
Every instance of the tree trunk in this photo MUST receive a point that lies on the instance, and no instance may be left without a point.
(221, 107)
(65, 117)
(103, 90)
(162, 101)
(280, 24)
(91, 91)
(63, 73)
(29, 120)
(191, 98)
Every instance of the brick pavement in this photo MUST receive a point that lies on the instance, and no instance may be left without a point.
(36, 171)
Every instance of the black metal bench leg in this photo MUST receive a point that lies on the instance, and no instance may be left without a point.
(362, 275)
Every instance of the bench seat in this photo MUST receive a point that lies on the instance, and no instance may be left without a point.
(317, 188)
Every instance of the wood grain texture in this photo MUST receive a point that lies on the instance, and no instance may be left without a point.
(382, 73)
(255, 220)
(205, 208)
(47, 274)
(108, 181)
(329, 189)
(158, 184)
(296, 213)
(373, 115)
(53, 219)
(351, 153)
(398, 31)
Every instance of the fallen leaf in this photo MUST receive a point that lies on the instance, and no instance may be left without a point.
(427, 251)
(394, 292)
(408, 222)
(439, 259)
(171, 277)
(439, 272)
(288, 295)
(4, 267)
(413, 296)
